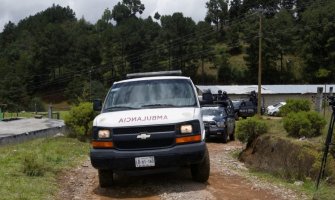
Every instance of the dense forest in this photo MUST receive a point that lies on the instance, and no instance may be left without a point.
(53, 56)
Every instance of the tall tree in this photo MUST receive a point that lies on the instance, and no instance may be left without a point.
(13, 92)
(152, 56)
(301, 6)
(269, 55)
(281, 30)
(157, 16)
(225, 71)
(8, 35)
(179, 31)
(204, 48)
(127, 9)
(287, 4)
(135, 6)
(318, 41)
(268, 5)
(105, 21)
(235, 9)
(217, 13)
(120, 12)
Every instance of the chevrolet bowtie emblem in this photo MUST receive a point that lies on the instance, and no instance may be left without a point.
(143, 136)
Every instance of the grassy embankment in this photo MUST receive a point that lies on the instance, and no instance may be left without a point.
(29, 170)
(312, 146)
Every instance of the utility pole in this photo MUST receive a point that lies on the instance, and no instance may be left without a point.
(169, 55)
(202, 67)
(91, 84)
(259, 66)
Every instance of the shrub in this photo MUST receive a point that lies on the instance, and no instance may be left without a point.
(318, 123)
(297, 124)
(295, 105)
(307, 124)
(80, 118)
(248, 130)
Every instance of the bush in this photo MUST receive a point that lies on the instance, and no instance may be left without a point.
(248, 130)
(318, 123)
(295, 105)
(304, 124)
(80, 119)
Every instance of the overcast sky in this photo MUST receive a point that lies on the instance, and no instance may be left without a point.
(92, 10)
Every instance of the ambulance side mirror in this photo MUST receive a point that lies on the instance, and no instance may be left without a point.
(97, 105)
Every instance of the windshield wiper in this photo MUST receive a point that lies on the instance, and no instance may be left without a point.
(157, 105)
(118, 107)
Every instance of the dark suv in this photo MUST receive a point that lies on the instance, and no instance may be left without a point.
(248, 109)
(219, 120)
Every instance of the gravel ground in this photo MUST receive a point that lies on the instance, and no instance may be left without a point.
(229, 180)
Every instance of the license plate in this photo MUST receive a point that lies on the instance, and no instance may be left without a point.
(145, 161)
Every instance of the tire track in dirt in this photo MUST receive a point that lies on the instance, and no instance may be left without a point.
(226, 182)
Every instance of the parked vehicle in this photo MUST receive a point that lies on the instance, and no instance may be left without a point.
(148, 125)
(248, 109)
(273, 110)
(219, 121)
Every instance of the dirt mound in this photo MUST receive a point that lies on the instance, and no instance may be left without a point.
(280, 156)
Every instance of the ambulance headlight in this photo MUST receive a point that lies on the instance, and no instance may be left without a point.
(186, 129)
(103, 134)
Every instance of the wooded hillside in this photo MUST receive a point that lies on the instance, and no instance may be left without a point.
(54, 56)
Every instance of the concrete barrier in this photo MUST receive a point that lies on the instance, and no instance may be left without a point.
(21, 130)
(23, 137)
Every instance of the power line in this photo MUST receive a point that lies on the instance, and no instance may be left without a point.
(134, 57)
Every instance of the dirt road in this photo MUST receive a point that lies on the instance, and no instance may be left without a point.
(228, 181)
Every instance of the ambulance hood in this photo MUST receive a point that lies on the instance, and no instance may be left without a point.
(143, 117)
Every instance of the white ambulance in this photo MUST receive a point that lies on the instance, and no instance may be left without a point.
(147, 125)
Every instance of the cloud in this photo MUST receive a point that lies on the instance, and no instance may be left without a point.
(190, 8)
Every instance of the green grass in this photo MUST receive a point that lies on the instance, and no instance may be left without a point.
(307, 188)
(275, 126)
(325, 191)
(8, 115)
(49, 156)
